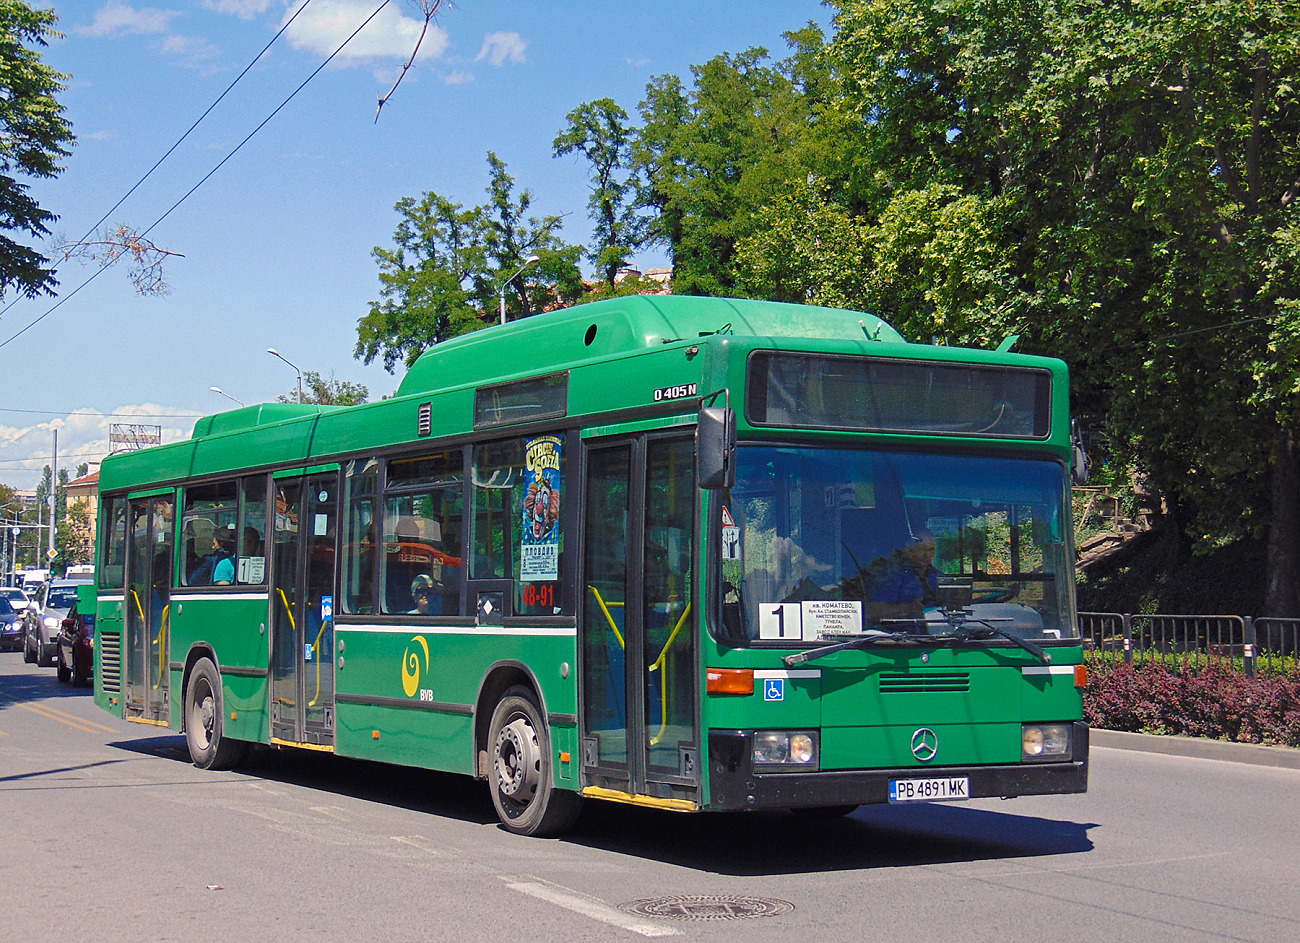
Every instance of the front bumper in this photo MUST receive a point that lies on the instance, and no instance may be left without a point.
(734, 785)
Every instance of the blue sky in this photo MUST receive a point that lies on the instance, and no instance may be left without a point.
(276, 246)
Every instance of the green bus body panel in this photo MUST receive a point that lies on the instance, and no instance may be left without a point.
(558, 339)
(425, 719)
(235, 630)
(863, 727)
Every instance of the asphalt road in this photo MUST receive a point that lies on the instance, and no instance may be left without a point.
(110, 834)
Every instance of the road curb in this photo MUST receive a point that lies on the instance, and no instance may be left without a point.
(1253, 753)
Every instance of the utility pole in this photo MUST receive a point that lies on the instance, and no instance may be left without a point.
(54, 486)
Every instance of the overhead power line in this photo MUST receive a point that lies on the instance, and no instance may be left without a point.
(92, 413)
(158, 163)
(206, 176)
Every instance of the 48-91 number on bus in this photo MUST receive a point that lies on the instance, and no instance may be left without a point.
(539, 594)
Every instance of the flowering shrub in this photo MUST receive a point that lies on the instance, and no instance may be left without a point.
(1213, 702)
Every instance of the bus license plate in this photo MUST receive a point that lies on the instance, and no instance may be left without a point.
(929, 790)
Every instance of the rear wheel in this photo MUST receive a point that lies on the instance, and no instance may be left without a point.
(520, 777)
(209, 748)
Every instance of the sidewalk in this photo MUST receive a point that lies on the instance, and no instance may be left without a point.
(1252, 753)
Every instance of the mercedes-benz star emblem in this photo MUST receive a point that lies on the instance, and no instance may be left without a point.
(925, 744)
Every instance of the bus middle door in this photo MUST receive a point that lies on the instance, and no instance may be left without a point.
(640, 720)
(302, 602)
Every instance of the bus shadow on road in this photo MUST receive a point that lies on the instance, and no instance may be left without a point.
(419, 790)
(764, 843)
(756, 843)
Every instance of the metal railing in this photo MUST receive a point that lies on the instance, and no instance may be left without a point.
(1268, 644)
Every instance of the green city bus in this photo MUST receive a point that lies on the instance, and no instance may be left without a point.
(695, 554)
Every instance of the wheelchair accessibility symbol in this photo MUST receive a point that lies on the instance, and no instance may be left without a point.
(774, 689)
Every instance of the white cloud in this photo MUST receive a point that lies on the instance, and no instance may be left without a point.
(97, 136)
(120, 19)
(196, 51)
(458, 77)
(244, 9)
(83, 437)
(498, 47)
(326, 23)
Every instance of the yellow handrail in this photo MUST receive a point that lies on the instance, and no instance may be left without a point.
(315, 647)
(605, 609)
(288, 609)
(658, 664)
(162, 633)
(163, 625)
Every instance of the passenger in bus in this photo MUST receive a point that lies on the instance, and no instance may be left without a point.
(905, 582)
(428, 599)
(223, 566)
(211, 555)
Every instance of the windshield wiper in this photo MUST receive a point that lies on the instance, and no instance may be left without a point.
(870, 637)
(959, 620)
(989, 630)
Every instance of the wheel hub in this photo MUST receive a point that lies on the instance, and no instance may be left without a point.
(518, 760)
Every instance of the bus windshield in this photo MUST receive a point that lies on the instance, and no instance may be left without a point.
(822, 544)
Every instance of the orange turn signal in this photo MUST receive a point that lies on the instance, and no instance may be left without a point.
(730, 681)
(1080, 676)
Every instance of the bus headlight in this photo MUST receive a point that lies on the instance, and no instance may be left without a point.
(775, 750)
(1044, 742)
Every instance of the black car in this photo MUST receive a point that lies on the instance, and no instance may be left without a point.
(11, 626)
(75, 658)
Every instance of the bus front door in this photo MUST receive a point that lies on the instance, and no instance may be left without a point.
(640, 723)
(302, 602)
(148, 609)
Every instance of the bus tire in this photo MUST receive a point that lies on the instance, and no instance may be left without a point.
(519, 775)
(209, 748)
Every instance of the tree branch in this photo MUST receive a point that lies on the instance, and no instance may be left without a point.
(429, 8)
(147, 258)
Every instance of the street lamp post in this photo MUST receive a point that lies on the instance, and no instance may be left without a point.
(502, 291)
(217, 389)
(275, 353)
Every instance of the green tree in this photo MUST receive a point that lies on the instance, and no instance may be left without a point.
(74, 541)
(35, 138)
(1126, 176)
(441, 278)
(327, 392)
(599, 131)
(711, 157)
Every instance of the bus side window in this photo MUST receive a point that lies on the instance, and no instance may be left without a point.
(516, 518)
(361, 538)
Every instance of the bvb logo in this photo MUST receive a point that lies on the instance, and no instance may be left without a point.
(411, 666)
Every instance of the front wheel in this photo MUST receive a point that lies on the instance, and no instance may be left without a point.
(209, 749)
(65, 673)
(30, 656)
(523, 792)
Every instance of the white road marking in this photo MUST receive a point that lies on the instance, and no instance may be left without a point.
(593, 909)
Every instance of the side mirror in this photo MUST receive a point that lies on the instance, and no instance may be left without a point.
(715, 447)
(1080, 464)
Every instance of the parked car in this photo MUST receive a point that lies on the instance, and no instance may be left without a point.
(17, 598)
(43, 620)
(11, 625)
(75, 658)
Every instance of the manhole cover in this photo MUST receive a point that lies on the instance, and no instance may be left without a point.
(696, 907)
